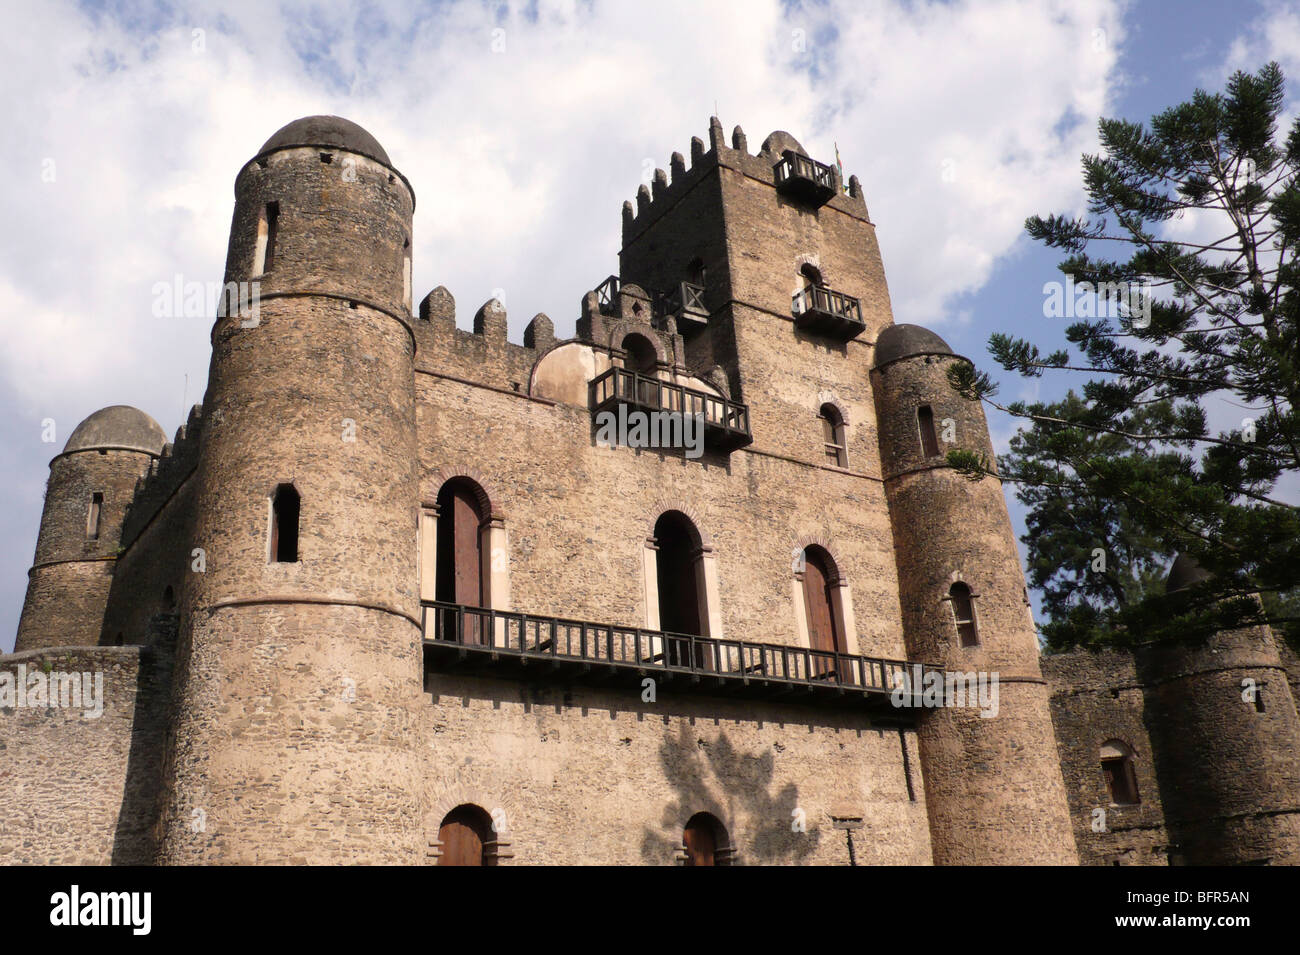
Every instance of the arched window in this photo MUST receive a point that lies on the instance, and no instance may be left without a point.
(963, 611)
(285, 510)
(833, 440)
(812, 276)
(465, 834)
(460, 578)
(705, 841)
(641, 357)
(681, 604)
(1117, 768)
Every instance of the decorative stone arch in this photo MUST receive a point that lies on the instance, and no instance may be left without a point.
(498, 849)
(814, 260)
(621, 329)
(846, 632)
(725, 852)
(495, 547)
(830, 398)
(706, 568)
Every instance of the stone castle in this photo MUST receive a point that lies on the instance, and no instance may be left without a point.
(388, 597)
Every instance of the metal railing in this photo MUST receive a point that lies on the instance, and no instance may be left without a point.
(623, 385)
(529, 637)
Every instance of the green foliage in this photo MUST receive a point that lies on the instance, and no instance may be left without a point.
(1128, 466)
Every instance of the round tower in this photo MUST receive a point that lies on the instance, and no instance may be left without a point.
(993, 784)
(91, 485)
(299, 658)
(1225, 738)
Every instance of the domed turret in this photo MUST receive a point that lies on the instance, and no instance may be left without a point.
(326, 131)
(91, 484)
(965, 607)
(304, 506)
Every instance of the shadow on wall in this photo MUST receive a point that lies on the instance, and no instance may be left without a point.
(714, 776)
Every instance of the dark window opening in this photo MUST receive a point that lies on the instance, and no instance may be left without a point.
(833, 440)
(1259, 699)
(285, 508)
(963, 611)
(169, 599)
(812, 275)
(272, 229)
(459, 576)
(93, 515)
(696, 273)
(466, 834)
(929, 438)
(705, 841)
(1117, 769)
(326, 158)
(678, 570)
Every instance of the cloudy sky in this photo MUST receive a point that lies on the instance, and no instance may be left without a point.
(126, 123)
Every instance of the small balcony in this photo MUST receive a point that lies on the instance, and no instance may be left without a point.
(726, 423)
(607, 295)
(474, 639)
(827, 312)
(805, 179)
(686, 304)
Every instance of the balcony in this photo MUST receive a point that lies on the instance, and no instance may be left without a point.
(474, 639)
(607, 295)
(726, 423)
(834, 314)
(686, 304)
(805, 179)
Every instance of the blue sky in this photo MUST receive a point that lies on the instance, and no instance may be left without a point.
(960, 119)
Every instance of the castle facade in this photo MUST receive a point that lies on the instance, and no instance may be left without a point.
(394, 594)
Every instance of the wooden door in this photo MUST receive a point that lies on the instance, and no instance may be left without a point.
(700, 844)
(461, 838)
(460, 557)
(821, 614)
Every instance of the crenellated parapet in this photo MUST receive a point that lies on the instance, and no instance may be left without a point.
(166, 474)
(664, 190)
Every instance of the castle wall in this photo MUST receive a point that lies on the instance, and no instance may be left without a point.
(80, 789)
(1097, 697)
(597, 777)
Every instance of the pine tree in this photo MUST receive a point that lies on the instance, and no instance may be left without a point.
(1130, 466)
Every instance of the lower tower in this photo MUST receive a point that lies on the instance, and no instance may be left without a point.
(299, 660)
(91, 485)
(993, 783)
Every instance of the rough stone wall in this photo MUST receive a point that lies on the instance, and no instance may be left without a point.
(993, 784)
(298, 682)
(597, 777)
(68, 584)
(79, 789)
(1229, 769)
(1096, 697)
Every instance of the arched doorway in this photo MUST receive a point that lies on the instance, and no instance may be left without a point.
(681, 609)
(465, 833)
(460, 577)
(824, 626)
(705, 841)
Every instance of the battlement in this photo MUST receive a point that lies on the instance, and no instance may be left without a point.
(166, 473)
(666, 188)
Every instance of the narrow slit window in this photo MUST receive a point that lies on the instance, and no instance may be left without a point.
(285, 507)
(93, 515)
(929, 438)
(963, 611)
(270, 228)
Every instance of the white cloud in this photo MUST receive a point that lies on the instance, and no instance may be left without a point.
(520, 159)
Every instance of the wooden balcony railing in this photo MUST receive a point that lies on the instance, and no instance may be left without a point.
(828, 312)
(726, 423)
(607, 294)
(456, 635)
(686, 304)
(804, 178)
